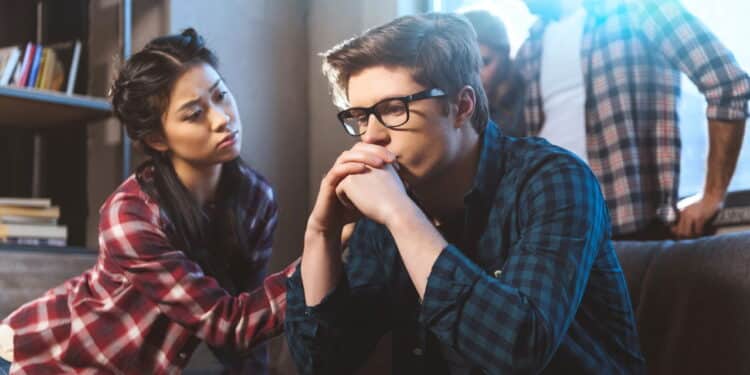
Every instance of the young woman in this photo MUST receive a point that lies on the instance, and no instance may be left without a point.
(183, 242)
(500, 77)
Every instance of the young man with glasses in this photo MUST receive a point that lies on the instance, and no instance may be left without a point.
(479, 252)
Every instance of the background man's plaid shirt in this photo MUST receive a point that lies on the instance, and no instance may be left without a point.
(631, 53)
(532, 285)
(144, 307)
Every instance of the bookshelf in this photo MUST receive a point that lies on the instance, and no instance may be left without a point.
(43, 133)
(37, 109)
(57, 250)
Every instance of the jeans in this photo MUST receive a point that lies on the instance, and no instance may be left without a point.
(4, 367)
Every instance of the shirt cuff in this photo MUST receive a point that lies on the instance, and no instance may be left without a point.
(734, 110)
(450, 282)
(312, 316)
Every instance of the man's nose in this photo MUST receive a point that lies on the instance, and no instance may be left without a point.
(376, 132)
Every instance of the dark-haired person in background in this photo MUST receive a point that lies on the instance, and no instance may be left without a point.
(500, 79)
(602, 80)
(481, 253)
(184, 242)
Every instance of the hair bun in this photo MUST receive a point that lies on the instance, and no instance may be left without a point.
(191, 39)
(187, 42)
(190, 32)
(139, 92)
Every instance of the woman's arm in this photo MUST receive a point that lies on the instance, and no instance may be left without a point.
(131, 237)
(6, 342)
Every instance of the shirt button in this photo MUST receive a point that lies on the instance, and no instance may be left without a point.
(417, 351)
(498, 273)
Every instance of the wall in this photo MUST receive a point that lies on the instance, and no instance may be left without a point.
(261, 47)
(149, 19)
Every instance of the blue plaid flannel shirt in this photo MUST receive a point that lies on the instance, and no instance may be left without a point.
(531, 285)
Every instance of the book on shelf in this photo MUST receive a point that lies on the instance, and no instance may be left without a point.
(30, 241)
(43, 67)
(9, 57)
(15, 76)
(49, 67)
(732, 216)
(25, 68)
(26, 202)
(733, 229)
(34, 72)
(33, 231)
(73, 67)
(14, 214)
(735, 216)
(31, 221)
(52, 71)
(20, 219)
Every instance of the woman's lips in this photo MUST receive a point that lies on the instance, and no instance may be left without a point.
(229, 140)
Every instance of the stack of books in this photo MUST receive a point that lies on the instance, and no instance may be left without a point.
(31, 221)
(735, 216)
(53, 67)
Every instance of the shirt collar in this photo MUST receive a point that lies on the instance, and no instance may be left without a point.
(602, 8)
(596, 8)
(489, 170)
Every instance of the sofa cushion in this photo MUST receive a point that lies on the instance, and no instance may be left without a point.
(692, 303)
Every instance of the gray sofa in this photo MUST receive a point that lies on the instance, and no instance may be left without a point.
(692, 303)
(691, 300)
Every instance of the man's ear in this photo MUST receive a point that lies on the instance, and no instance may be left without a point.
(156, 141)
(466, 101)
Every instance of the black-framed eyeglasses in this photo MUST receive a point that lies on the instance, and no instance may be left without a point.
(391, 112)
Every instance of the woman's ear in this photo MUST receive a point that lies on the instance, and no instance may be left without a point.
(156, 141)
(466, 100)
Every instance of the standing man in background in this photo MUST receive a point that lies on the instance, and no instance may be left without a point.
(602, 80)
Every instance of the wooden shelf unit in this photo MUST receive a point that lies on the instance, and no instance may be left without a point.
(32, 108)
(50, 127)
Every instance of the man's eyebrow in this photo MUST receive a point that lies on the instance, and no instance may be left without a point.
(196, 100)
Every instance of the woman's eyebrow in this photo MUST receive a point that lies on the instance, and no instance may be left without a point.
(196, 100)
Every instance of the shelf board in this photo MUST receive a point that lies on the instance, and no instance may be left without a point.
(46, 249)
(24, 107)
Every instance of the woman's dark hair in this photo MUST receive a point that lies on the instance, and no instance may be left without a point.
(140, 97)
(490, 30)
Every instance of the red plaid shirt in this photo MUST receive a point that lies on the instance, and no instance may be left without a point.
(632, 54)
(144, 307)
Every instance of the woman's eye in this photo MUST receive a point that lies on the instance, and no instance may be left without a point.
(221, 96)
(194, 116)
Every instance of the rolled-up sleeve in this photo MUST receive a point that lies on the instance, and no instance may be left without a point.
(689, 45)
(133, 240)
(337, 335)
(513, 320)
